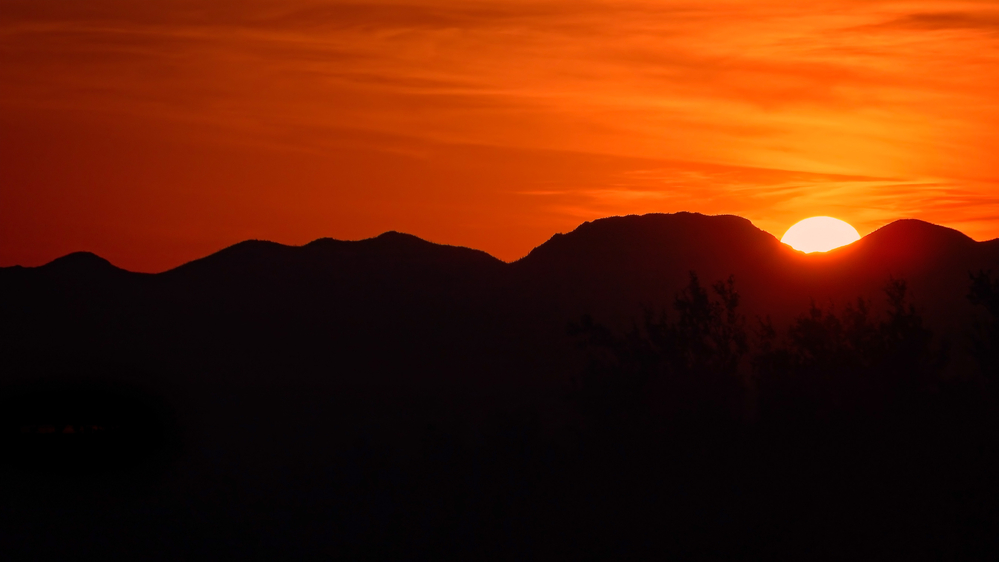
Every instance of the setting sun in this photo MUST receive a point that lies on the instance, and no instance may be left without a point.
(820, 234)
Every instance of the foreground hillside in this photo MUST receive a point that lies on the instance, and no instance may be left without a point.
(393, 397)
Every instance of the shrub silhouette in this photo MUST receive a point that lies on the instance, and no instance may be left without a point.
(828, 366)
(850, 365)
(663, 370)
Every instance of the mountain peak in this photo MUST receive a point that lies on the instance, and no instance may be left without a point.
(245, 252)
(913, 235)
(682, 218)
(396, 235)
(259, 258)
(660, 232)
(916, 227)
(78, 262)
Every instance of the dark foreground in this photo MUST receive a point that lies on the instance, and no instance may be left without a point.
(394, 399)
(505, 490)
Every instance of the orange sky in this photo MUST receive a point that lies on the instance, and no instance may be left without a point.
(153, 132)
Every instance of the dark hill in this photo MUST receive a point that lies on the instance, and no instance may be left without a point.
(391, 249)
(613, 266)
(917, 234)
(338, 284)
(79, 263)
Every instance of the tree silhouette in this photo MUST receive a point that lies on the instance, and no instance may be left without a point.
(849, 364)
(663, 369)
(710, 336)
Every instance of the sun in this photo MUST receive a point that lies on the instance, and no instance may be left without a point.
(820, 234)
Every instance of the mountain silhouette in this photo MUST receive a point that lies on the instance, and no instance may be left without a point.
(612, 266)
(80, 263)
(449, 312)
(318, 380)
(618, 263)
(934, 260)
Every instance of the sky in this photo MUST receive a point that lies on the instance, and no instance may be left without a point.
(156, 132)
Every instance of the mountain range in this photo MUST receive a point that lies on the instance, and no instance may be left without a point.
(400, 292)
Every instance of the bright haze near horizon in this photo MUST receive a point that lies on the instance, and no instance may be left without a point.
(156, 132)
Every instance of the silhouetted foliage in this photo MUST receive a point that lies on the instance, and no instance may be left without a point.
(667, 370)
(828, 365)
(843, 407)
(709, 337)
(849, 364)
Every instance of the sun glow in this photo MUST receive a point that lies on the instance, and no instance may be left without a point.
(820, 234)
